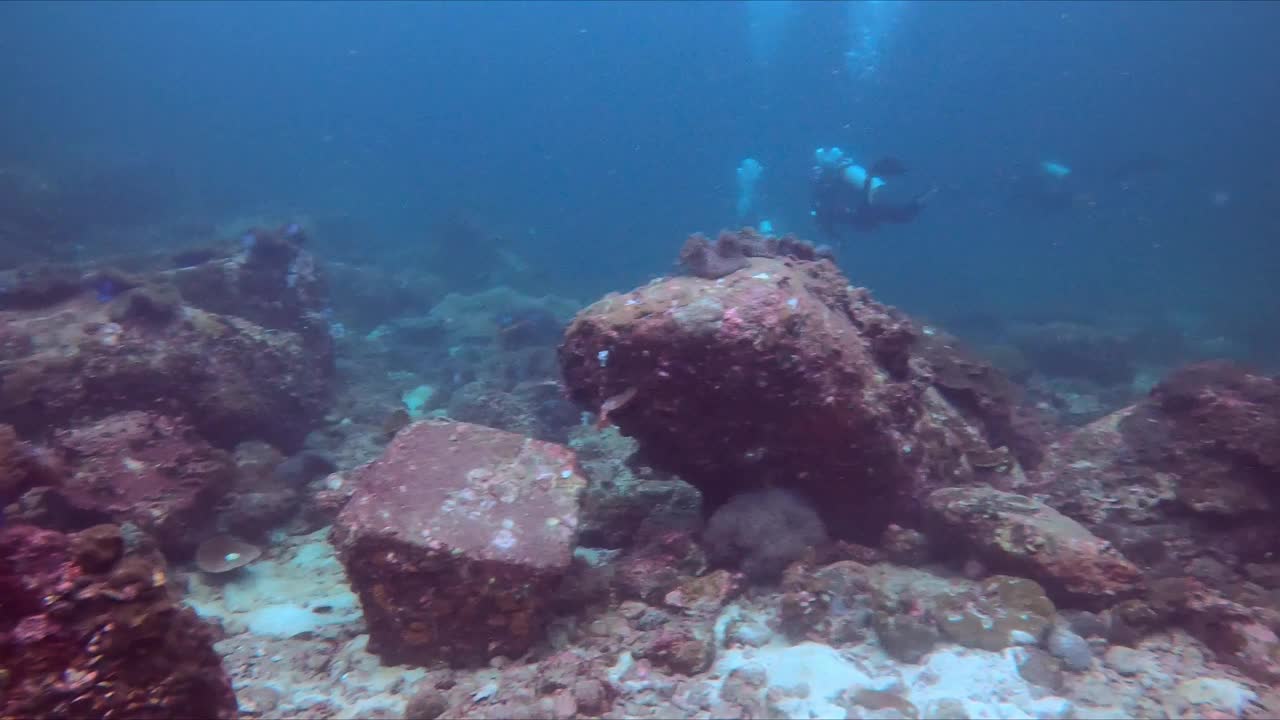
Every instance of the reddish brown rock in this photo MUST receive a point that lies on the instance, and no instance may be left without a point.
(989, 400)
(1239, 635)
(683, 647)
(79, 359)
(147, 469)
(455, 540)
(705, 595)
(1244, 637)
(1191, 471)
(87, 632)
(1223, 407)
(656, 568)
(778, 373)
(1021, 536)
(24, 466)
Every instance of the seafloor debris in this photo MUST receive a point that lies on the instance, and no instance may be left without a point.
(225, 553)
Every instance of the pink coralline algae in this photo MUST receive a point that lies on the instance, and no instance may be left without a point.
(146, 469)
(781, 373)
(1189, 472)
(88, 630)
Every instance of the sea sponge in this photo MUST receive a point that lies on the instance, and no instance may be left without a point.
(157, 304)
(728, 253)
(761, 532)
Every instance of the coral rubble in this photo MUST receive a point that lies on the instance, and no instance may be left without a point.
(88, 629)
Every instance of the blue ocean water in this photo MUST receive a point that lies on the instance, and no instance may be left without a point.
(593, 137)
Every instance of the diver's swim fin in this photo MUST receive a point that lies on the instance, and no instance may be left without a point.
(923, 198)
(888, 166)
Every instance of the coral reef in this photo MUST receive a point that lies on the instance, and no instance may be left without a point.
(88, 630)
(794, 501)
(706, 648)
(366, 296)
(124, 385)
(82, 356)
(989, 399)
(270, 281)
(488, 358)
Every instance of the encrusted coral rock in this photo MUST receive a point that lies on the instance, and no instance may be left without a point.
(1241, 636)
(988, 399)
(728, 253)
(779, 373)
(71, 362)
(87, 632)
(138, 467)
(684, 647)
(624, 502)
(455, 539)
(1005, 611)
(656, 568)
(270, 281)
(1019, 535)
(23, 466)
(1190, 472)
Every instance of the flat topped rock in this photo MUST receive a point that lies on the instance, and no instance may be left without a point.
(455, 538)
(470, 489)
(1022, 536)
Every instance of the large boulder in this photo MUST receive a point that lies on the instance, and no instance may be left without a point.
(1018, 535)
(149, 470)
(89, 629)
(782, 373)
(90, 355)
(455, 540)
(1193, 471)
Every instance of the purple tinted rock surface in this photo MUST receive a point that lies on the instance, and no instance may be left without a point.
(455, 540)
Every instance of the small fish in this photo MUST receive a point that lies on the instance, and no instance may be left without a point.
(106, 290)
(612, 404)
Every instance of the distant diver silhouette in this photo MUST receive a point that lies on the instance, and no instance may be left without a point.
(845, 193)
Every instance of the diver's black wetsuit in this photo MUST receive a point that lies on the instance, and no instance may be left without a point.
(838, 203)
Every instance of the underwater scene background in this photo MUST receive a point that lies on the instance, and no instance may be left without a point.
(589, 136)
(639, 359)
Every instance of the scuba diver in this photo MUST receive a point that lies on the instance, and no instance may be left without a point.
(1051, 187)
(845, 194)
